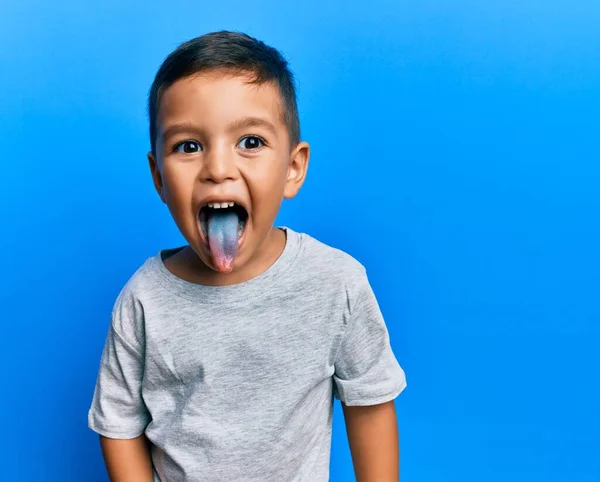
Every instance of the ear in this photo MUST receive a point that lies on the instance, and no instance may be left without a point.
(297, 170)
(156, 176)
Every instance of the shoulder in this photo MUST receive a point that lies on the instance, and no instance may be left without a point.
(330, 258)
(127, 317)
(144, 279)
(330, 266)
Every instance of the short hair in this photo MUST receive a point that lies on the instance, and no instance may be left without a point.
(232, 51)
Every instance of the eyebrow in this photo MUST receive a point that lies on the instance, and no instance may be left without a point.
(248, 122)
(175, 129)
(244, 123)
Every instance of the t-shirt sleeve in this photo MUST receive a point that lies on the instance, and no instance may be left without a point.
(366, 369)
(118, 410)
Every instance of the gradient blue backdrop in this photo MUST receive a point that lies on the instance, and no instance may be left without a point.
(455, 153)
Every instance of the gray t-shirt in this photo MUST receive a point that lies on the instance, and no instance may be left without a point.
(236, 383)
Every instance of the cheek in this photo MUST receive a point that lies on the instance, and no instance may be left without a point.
(178, 179)
(267, 195)
(271, 172)
(178, 186)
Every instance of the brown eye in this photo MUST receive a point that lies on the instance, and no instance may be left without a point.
(251, 143)
(188, 147)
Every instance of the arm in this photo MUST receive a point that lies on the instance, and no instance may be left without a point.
(118, 412)
(127, 460)
(373, 437)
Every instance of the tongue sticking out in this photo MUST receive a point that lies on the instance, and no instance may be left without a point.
(223, 238)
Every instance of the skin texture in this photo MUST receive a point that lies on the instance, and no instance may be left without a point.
(207, 151)
(374, 445)
(127, 460)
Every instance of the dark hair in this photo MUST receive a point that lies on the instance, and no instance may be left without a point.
(237, 53)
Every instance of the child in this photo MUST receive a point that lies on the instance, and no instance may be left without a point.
(223, 356)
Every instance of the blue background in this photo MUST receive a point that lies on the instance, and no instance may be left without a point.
(455, 153)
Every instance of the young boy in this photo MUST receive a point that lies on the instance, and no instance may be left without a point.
(223, 356)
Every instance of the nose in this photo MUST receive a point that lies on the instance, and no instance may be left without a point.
(218, 166)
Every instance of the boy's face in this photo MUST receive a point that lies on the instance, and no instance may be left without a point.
(221, 139)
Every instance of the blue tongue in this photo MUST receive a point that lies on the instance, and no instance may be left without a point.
(223, 238)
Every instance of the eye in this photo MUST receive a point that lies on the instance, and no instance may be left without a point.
(188, 147)
(251, 143)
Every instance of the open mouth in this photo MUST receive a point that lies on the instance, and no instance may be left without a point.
(223, 225)
(211, 211)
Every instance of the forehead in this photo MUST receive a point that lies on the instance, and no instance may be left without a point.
(219, 97)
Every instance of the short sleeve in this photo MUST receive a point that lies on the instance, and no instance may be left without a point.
(366, 369)
(118, 410)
